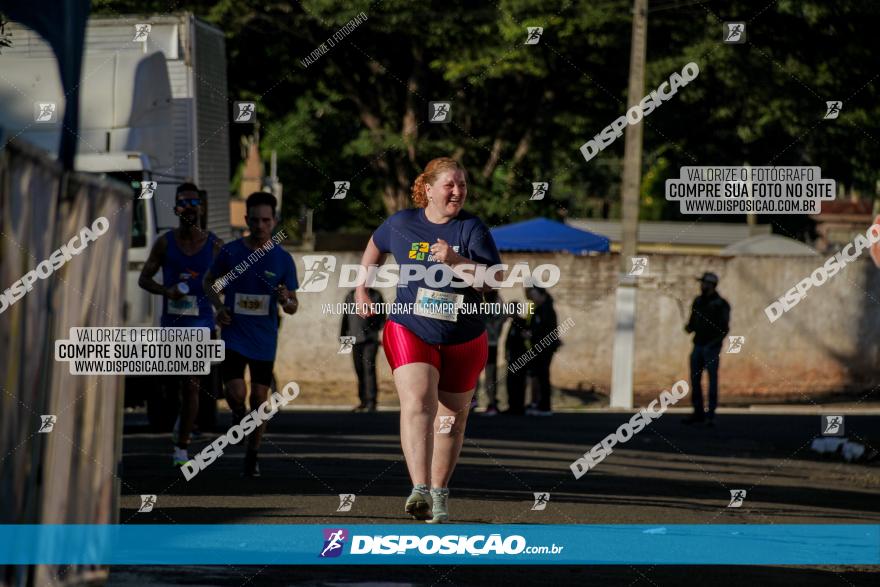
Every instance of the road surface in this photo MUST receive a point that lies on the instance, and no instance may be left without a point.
(667, 474)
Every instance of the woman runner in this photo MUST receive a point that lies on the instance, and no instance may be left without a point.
(436, 350)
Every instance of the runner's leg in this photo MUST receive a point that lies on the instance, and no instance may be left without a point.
(417, 388)
(259, 394)
(189, 408)
(236, 391)
(233, 377)
(447, 447)
(461, 366)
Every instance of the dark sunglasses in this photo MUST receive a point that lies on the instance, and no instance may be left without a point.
(188, 202)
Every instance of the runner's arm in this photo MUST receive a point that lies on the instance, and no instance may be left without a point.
(224, 316)
(288, 301)
(287, 289)
(212, 294)
(208, 283)
(372, 257)
(152, 266)
(220, 266)
(218, 244)
(466, 270)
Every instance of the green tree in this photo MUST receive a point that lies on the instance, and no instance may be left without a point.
(520, 112)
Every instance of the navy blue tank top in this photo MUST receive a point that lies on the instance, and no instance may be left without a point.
(194, 309)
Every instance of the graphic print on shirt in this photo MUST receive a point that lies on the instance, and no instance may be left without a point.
(421, 251)
(408, 236)
(181, 269)
(253, 298)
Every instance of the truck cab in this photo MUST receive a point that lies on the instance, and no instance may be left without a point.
(149, 111)
(132, 168)
(141, 308)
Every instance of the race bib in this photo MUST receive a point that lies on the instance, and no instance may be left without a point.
(252, 304)
(185, 306)
(439, 305)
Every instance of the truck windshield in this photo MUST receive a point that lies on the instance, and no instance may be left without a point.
(139, 212)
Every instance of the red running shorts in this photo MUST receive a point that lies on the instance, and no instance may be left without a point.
(459, 364)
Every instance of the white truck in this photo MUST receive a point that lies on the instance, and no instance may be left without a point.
(153, 107)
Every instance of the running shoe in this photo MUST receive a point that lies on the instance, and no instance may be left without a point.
(537, 412)
(440, 509)
(181, 456)
(251, 464)
(417, 506)
(491, 411)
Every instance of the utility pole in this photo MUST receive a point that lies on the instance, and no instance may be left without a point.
(274, 183)
(752, 218)
(624, 334)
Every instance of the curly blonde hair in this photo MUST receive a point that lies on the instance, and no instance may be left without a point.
(432, 170)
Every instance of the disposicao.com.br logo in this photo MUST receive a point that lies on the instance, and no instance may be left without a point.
(319, 270)
(334, 541)
(394, 544)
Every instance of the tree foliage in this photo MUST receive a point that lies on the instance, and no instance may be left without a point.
(520, 112)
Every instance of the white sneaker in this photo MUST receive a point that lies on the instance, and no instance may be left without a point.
(440, 507)
(181, 456)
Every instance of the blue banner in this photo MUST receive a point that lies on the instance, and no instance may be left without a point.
(456, 544)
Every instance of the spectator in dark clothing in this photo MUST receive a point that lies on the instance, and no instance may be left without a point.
(709, 322)
(366, 346)
(515, 346)
(542, 324)
(494, 323)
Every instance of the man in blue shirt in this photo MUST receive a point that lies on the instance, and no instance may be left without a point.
(184, 255)
(256, 276)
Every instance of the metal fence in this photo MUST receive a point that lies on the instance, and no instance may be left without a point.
(68, 475)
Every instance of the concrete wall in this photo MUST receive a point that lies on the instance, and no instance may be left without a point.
(827, 343)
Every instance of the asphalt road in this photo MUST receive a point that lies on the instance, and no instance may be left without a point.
(668, 473)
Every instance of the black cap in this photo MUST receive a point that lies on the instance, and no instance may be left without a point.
(187, 187)
(709, 277)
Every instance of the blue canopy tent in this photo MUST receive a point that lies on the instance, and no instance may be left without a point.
(543, 234)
